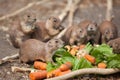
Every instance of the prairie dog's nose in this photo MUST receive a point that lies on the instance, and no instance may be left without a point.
(90, 28)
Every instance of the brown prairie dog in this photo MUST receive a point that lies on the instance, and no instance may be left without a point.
(74, 35)
(108, 31)
(21, 31)
(115, 44)
(34, 49)
(47, 30)
(93, 33)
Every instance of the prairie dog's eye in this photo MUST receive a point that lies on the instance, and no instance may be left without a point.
(35, 19)
(107, 32)
(56, 41)
(80, 30)
(55, 20)
(111, 46)
(28, 16)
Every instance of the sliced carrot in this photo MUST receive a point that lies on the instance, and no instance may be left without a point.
(40, 65)
(82, 46)
(66, 66)
(53, 73)
(73, 51)
(90, 58)
(38, 75)
(50, 74)
(64, 72)
(102, 65)
(56, 72)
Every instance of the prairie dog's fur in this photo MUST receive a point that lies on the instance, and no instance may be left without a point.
(34, 49)
(108, 31)
(47, 30)
(21, 31)
(115, 44)
(74, 35)
(93, 33)
(77, 34)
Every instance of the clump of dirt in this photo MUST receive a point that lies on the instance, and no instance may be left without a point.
(7, 74)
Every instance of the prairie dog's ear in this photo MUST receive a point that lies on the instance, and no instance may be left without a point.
(94, 23)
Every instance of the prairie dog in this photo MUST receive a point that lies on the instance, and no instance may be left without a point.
(93, 33)
(21, 31)
(47, 30)
(108, 31)
(84, 25)
(115, 44)
(74, 35)
(34, 49)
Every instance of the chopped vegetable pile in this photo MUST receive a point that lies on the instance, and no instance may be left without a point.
(70, 58)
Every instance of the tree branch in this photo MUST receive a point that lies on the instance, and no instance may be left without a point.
(71, 8)
(22, 9)
(86, 71)
(5, 59)
(109, 15)
(18, 69)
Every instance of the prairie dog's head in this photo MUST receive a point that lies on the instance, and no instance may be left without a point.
(113, 44)
(78, 35)
(108, 30)
(54, 44)
(92, 29)
(53, 25)
(28, 25)
(108, 34)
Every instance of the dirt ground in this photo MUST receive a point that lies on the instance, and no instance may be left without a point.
(42, 12)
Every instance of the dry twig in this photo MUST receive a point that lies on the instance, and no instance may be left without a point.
(74, 7)
(71, 8)
(65, 11)
(109, 15)
(7, 58)
(22, 9)
(18, 69)
(86, 71)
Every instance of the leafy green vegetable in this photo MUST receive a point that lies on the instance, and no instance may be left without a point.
(81, 63)
(114, 61)
(50, 66)
(102, 53)
(88, 47)
(61, 52)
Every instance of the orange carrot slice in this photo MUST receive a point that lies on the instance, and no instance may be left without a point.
(40, 65)
(102, 65)
(38, 75)
(90, 58)
(66, 66)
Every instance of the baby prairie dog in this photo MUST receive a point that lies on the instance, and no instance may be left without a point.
(77, 34)
(108, 31)
(74, 35)
(34, 49)
(47, 30)
(21, 31)
(93, 33)
(115, 44)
